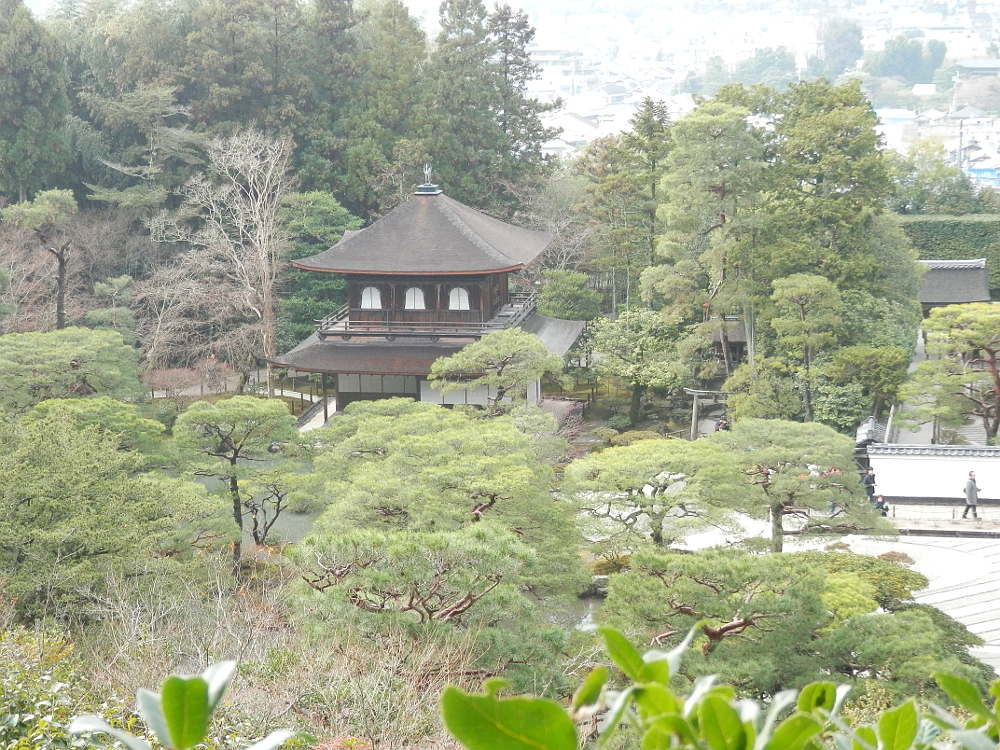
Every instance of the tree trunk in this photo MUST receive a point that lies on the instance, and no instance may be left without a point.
(806, 400)
(727, 360)
(61, 254)
(878, 406)
(614, 294)
(270, 344)
(656, 521)
(748, 324)
(234, 492)
(806, 391)
(61, 287)
(633, 410)
(993, 424)
(777, 526)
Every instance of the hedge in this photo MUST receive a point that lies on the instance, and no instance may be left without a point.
(940, 237)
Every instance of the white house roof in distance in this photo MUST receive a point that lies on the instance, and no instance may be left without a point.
(892, 449)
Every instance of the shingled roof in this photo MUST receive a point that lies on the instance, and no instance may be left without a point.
(950, 282)
(374, 357)
(431, 234)
(366, 357)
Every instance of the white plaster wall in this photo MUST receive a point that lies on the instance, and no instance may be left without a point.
(377, 384)
(349, 384)
(371, 384)
(935, 476)
(478, 396)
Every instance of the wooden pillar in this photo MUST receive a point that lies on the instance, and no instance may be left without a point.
(326, 407)
(694, 418)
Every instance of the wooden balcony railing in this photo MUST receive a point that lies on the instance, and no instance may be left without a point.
(345, 322)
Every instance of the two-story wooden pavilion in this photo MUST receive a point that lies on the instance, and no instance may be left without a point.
(425, 280)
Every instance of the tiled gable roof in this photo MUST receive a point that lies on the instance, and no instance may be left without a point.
(950, 282)
(431, 235)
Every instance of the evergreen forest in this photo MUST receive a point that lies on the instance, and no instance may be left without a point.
(161, 163)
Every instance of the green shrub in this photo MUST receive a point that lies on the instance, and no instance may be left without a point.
(41, 688)
(619, 422)
(605, 433)
(634, 436)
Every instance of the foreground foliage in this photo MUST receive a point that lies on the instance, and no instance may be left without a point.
(646, 710)
(179, 715)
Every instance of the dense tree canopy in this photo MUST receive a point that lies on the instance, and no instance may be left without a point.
(927, 184)
(799, 476)
(74, 509)
(909, 59)
(397, 465)
(507, 363)
(777, 621)
(225, 439)
(652, 491)
(964, 381)
(71, 363)
(33, 88)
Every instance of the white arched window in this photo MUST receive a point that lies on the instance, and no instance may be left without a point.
(458, 299)
(414, 298)
(371, 298)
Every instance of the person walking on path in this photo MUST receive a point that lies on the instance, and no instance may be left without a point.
(868, 480)
(971, 495)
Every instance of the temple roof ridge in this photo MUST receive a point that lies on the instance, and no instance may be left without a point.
(468, 232)
(432, 235)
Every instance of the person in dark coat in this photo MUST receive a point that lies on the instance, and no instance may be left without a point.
(868, 480)
(971, 495)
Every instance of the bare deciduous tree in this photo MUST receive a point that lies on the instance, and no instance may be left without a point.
(105, 245)
(554, 208)
(232, 218)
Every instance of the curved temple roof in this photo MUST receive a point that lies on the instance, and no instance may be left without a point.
(431, 235)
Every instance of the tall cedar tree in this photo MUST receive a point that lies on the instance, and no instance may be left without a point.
(648, 142)
(33, 83)
(482, 131)
(712, 194)
(624, 176)
(333, 75)
(240, 63)
(377, 123)
(511, 34)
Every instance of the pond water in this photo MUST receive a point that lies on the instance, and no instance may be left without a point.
(293, 527)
